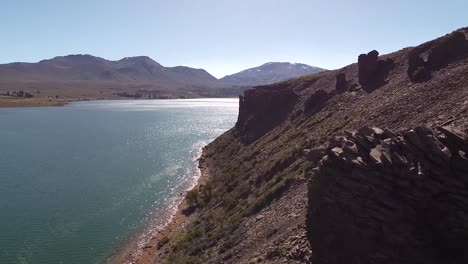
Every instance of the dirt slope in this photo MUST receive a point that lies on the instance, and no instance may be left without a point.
(253, 209)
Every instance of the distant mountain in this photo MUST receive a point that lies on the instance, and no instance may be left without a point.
(90, 68)
(269, 73)
(77, 77)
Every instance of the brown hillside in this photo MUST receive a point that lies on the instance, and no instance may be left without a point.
(254, 206)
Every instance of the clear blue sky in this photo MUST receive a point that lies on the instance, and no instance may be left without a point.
(222, 36)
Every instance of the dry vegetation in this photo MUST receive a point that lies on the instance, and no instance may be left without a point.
(253, 207)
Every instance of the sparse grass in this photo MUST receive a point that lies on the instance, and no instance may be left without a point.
(180, 258)
(268, 196)
(163, 241)
(9, 101)
(240, 184)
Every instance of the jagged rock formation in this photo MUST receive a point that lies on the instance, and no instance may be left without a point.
(262, 109)
(341, 82)
(372, 71)
(368, 65)
(435, 55)
(378, 197)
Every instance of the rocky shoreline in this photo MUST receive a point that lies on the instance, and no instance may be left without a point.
(151, 251)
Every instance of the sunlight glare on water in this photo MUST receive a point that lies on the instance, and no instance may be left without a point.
(77, 181)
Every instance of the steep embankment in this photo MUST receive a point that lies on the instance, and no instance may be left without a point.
(257, 205)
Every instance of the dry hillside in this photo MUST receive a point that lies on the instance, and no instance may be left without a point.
(306, 177)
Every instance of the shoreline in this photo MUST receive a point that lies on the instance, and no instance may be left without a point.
(150, 252)
(39, 102)
(32, 102)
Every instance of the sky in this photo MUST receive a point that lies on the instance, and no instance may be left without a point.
(221, 36)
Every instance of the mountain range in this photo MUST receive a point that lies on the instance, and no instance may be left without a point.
(90, 77)
(90, 68)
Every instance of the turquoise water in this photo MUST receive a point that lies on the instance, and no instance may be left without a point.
(77, 181)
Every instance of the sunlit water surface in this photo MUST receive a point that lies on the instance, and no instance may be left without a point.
(77, 181)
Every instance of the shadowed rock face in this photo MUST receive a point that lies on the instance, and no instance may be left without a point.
(372, 71)
(341, 82)
(367, 66)
(316, 102)
(378, 197)
(438, 54)
(261, 109)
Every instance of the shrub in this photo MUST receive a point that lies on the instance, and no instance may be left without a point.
(193, 196)
(163, 241)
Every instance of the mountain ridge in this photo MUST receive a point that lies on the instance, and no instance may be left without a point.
(270, 72)
(71, 67)
(84, 77)
(68, 60)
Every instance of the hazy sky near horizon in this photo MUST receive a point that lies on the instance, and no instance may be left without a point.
(222, 36)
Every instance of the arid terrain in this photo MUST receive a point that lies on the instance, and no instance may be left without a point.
(365, 164)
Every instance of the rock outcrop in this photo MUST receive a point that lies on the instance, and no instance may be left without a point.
(379, 197)
(261, 109)
(372, 71)
(341, 82)
(368, 65)
(438, 54)
(316, 102)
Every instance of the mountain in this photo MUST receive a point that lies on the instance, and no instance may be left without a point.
(269, 73)
(90, 68)
(364, 164)
(83, 77)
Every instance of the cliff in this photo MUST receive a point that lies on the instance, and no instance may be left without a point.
(379, 197)
(305, 175)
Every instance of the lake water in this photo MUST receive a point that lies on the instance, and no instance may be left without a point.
(77, 181)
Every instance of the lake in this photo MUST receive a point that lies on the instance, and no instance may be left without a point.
(77, 181)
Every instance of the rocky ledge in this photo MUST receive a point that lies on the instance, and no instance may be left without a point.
(262, 109)
(381, 197)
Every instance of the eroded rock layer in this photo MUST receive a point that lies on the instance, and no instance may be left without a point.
(379, 197)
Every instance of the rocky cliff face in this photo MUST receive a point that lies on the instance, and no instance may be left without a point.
(432, 56)
(390, 195)
(379, 197)
(261, 109)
